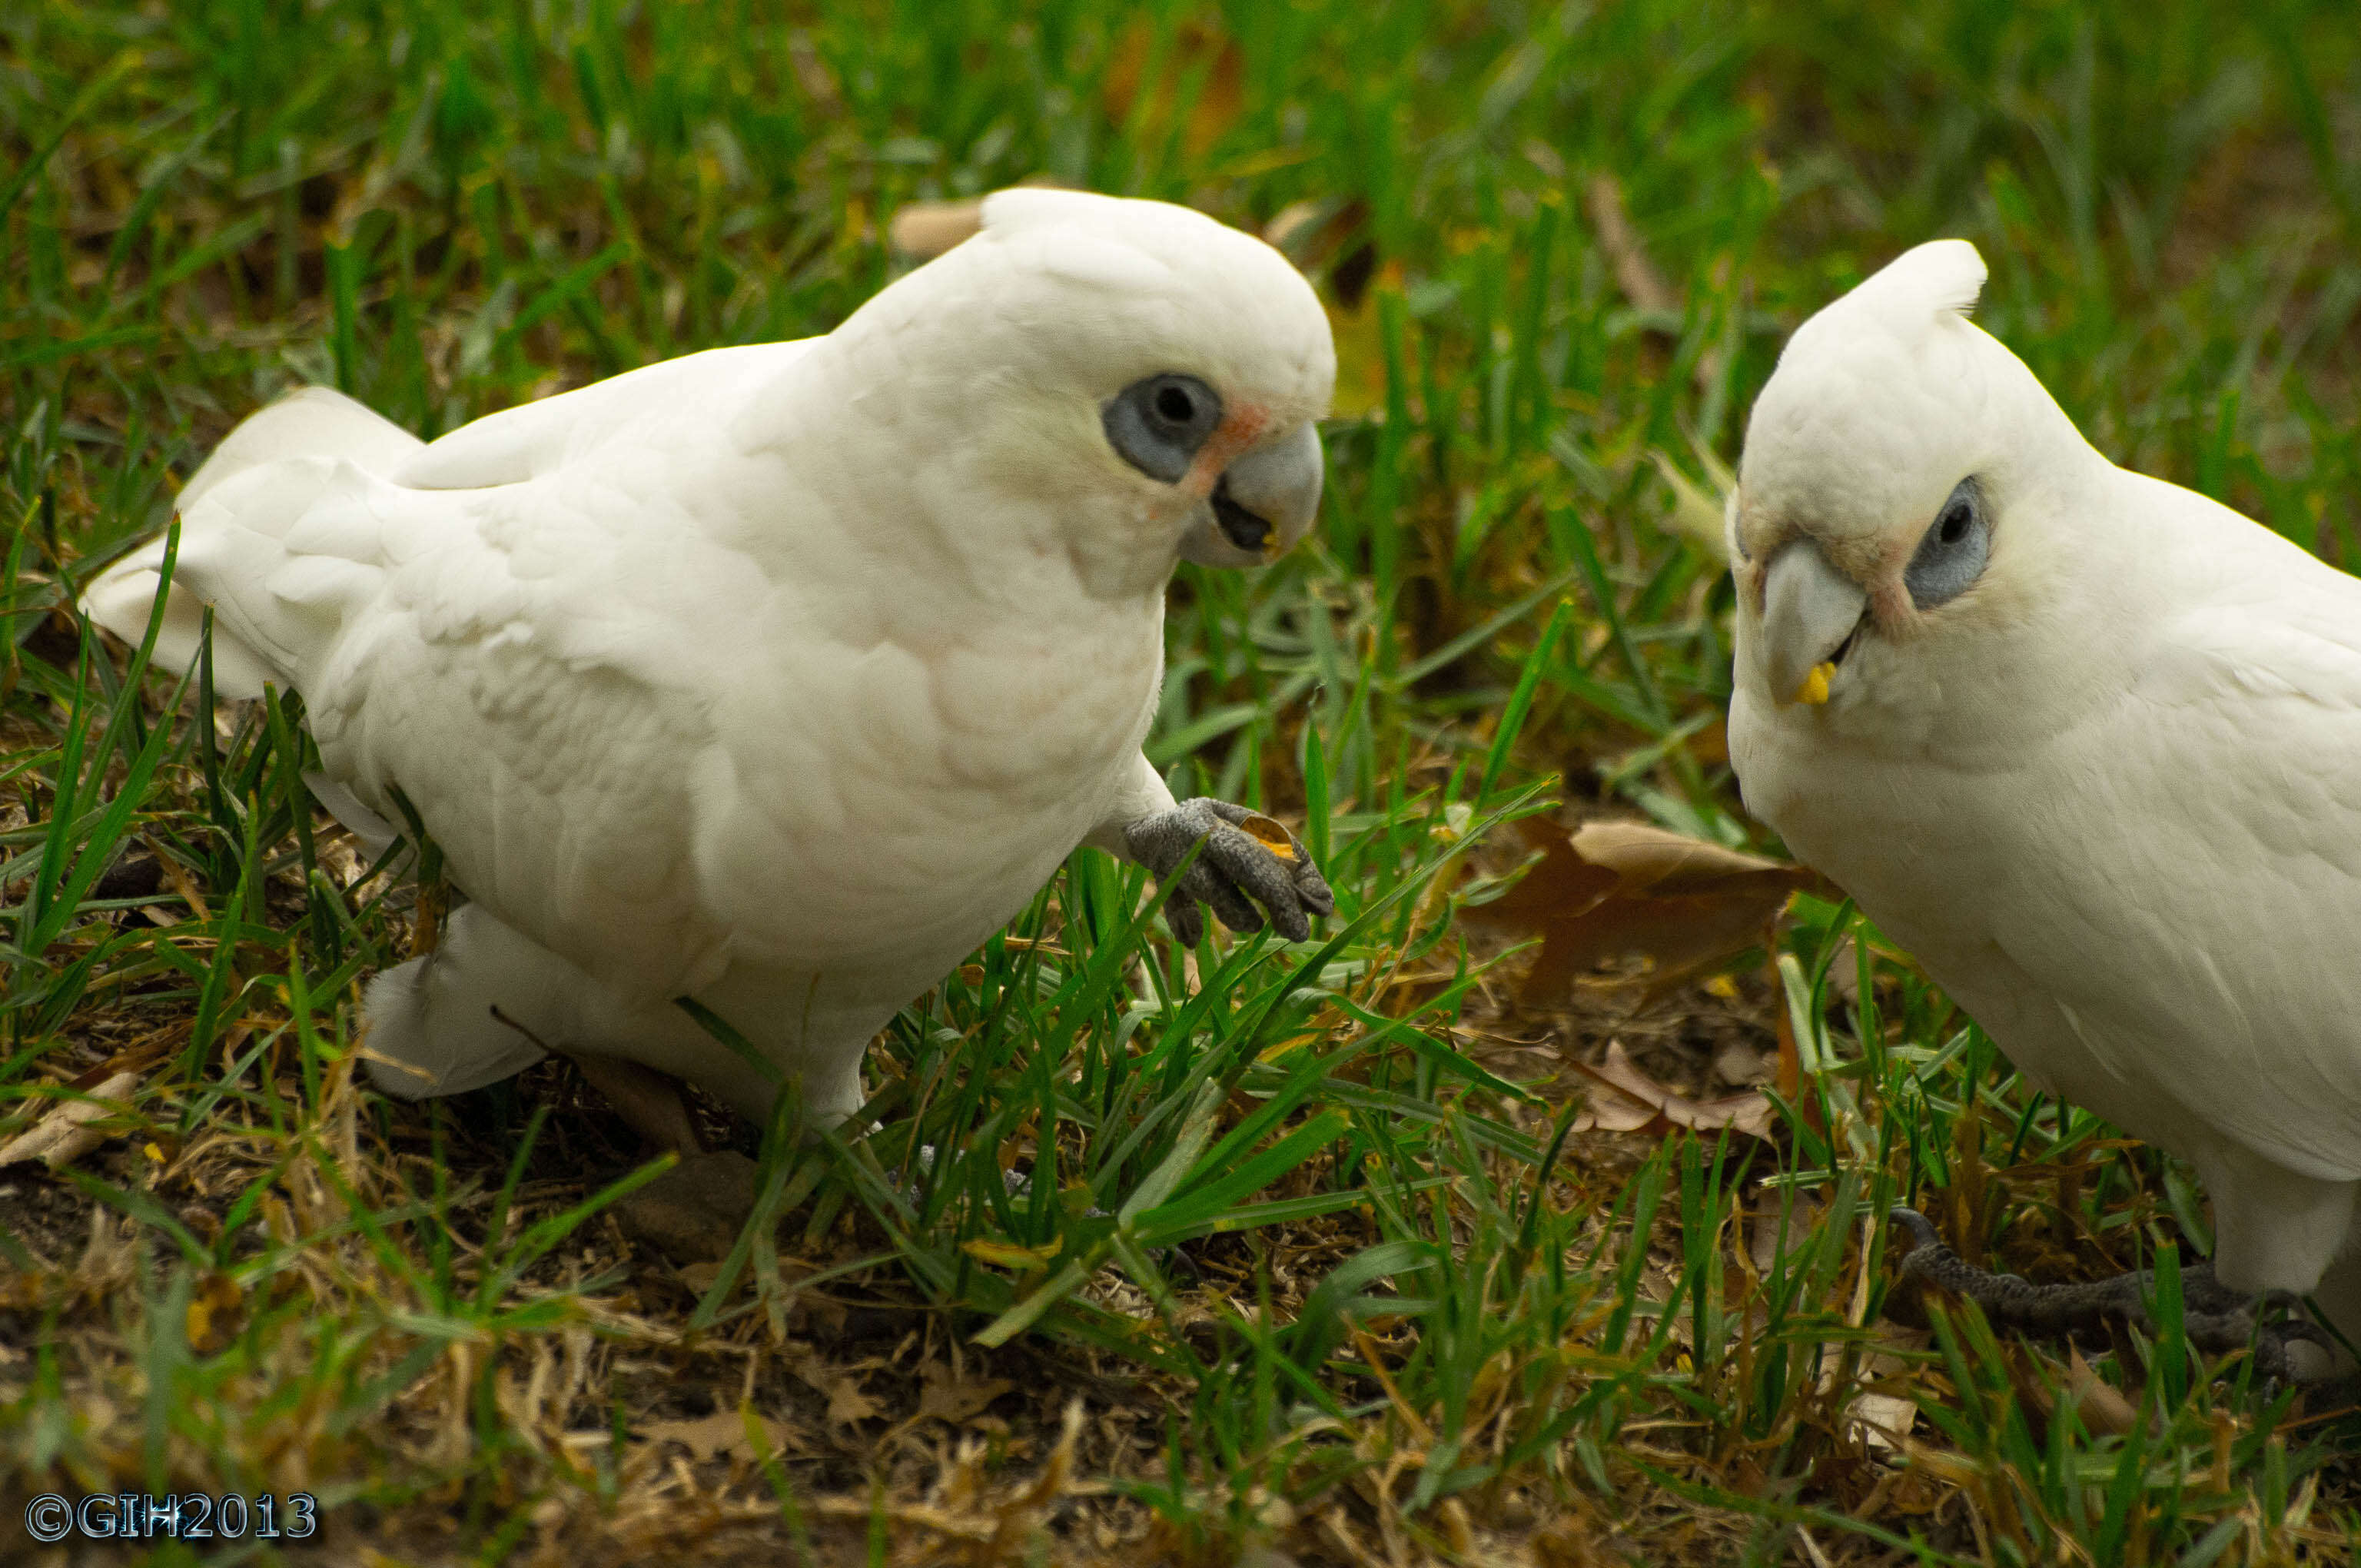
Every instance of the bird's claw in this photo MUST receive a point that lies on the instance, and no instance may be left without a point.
(1248, 859)
(2215, 1318)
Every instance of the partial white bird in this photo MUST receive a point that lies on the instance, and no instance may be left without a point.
(777, 677)
(2087, 743)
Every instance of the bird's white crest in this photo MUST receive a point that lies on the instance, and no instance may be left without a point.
(1882, 401)
(1913, 292)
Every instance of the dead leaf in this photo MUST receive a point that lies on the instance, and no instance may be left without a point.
(1199, 56)
(1611, 1110)
(1634, 272)
(924, 230)
(1329, 238)
(2106, 1411)
(847, 1404)
(1627, 1100)
(1744, 1067)
(723, 1433)
(65, 1131)
(1615, 890)
(2103, 1408)
(1642, 283)
(1781, 1226)
(954, 1397)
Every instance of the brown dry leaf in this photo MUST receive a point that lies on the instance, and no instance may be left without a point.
(1744, 1067)
(847, 1404)
(1611, 1110)
(1620, 889)
(924, 230)
(1881, 1421)
(954, 1398)
(2106, 1411)
(1781, 1225)
(1635, 273)
(1629, 1100)
(1642, 283)
(723, 1433)
(1199, 54)
(1329, 238)
(65, 1133)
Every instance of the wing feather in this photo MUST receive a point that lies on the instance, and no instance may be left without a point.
(2206, 850)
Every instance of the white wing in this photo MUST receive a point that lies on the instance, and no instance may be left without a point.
(2190, 882)
(531, 663)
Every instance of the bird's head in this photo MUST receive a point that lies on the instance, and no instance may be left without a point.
(1146, 381)
(1888, 463)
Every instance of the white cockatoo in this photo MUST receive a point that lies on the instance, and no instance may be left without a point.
(2086, 743)
(776, 677)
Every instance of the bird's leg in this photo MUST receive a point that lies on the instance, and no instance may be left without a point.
(693, 1212)
(2215, 1318)
(1248, 859)
(2010, 1301)
(648, 1100)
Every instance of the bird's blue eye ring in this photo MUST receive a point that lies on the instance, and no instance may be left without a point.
(1159, 424)
(1951, 554)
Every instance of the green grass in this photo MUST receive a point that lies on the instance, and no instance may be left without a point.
(1310, 1235)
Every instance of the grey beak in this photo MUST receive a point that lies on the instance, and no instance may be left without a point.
(1262, 504)
(1809, 610)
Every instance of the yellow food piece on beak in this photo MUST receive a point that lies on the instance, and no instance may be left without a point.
(1815, 689)
(1271, 548)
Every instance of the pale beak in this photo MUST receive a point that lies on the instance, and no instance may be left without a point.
(1810, 611)
(1264, 501)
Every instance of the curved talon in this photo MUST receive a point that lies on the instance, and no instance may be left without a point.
(1248, 859)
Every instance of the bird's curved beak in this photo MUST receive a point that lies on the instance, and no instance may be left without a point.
(1810, 611)
(1264, 501)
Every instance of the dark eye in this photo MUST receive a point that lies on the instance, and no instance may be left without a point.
(1157, 425)
(1951, 555)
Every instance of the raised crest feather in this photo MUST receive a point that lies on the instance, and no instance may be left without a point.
(1925, 283)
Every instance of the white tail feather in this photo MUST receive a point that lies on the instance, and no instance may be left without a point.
(304, 436)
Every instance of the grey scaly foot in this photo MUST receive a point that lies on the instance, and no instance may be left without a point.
(2215, 1318)
(1248, 859)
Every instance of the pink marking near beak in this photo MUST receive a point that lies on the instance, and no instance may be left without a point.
(1889, 602)
(1239, 429)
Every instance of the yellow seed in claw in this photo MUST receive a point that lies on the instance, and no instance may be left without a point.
(1815, 689)
(1269, 835)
